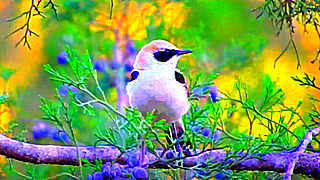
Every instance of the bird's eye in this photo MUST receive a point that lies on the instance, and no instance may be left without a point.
(165, 55)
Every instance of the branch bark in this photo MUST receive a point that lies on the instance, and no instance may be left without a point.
(307, 163)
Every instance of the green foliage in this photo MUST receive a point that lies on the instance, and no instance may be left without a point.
(6, 73)
(306, 81)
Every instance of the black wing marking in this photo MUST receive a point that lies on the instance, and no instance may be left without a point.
(134, 75)
(179, 77)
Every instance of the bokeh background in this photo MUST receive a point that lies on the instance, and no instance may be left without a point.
(225, 37)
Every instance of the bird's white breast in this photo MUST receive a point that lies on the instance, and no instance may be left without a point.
(159, 91)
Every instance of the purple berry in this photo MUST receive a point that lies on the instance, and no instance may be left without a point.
(133, 161)
(90, 177)
(100, 65)
(206, 132)
(58, 135)
(140, 173)
(196, 128)
(169, 155)
(97, 176)
(219, 176)
(216, 135)
(214, 93)
(200, 91)
(62, 58)
(106, 169)
(40, 130)
(187, 152)
(73, 89)
(63, 90)
(117, 169)
(114, 64)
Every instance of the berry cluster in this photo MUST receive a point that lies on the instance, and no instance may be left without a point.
(133, 169)
(41, 130)
(207, 132)
(201, 92)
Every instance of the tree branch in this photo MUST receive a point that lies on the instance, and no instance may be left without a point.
(307, 163)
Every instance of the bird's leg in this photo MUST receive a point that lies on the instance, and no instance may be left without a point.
(177, 133)
(143, 149)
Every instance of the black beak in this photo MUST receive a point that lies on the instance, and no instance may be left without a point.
(181, 52)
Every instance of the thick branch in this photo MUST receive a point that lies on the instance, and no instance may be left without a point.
(308, 163)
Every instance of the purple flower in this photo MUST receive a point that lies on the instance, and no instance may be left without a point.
(40, 130)
(62, 58)
(214, 93)
(140, 173)
(100, 65)
(206, 132)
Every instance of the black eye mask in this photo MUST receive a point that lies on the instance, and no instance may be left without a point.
(167, 54)
(164, 56)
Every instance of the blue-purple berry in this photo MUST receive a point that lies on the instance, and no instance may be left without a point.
(63, 90)
(196, 129)
(219, 176)
(140, 173)
(62, 58)
(187, 152)
(206, 132)
(169, 154)
(200, 91)
(97, 176)
(40, 130)
(214, 93)
(114, 64)
(58, 135)
(133, 161)
(216, 135)
(100, 65)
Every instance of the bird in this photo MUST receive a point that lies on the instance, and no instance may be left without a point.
(156, 85)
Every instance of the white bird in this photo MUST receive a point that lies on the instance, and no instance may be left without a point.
(156, 84)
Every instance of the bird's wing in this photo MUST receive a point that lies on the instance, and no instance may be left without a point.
(133, 75)
(179, 77)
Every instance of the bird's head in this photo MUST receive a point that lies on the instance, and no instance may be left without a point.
(158, 54)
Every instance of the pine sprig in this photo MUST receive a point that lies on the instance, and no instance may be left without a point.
(306, 81)
(34, 10)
